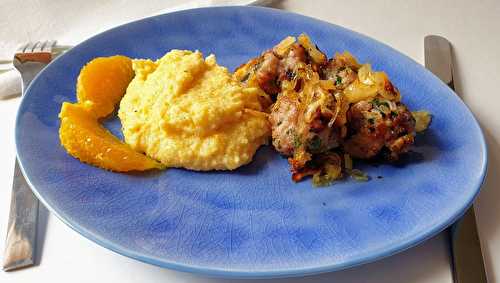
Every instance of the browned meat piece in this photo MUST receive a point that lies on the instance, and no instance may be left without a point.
(284, 118)
(312, 116)
(321, 137)
(365, 141)
(289, 63)
(374, 125)
(271, 68)
(290, 131)
(267, 73)
(340, 70)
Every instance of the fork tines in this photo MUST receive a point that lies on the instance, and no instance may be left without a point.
(37, 47)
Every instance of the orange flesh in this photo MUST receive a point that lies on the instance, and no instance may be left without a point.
(101, 85)
(103, 82)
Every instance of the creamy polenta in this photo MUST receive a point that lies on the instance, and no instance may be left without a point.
(187, 111)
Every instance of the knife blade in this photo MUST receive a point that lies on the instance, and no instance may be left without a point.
(467, 258)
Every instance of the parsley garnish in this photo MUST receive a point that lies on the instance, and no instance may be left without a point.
(296, 141)
(314, 144)
(376, 102)
(338, 80)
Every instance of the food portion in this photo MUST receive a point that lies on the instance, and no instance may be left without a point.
(379, 126)
(326, 110)
(84, 138)
(187, 111)
(276, 65)
(181, 111)
(184, 110)
(101, 84)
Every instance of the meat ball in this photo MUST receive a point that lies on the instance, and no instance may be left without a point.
(271, 69)
(296, 55)
(284, 118)
(342, 70)
(267, 73)
(291, 131)
(376, 125)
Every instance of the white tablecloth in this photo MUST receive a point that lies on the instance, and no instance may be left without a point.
(473, 28)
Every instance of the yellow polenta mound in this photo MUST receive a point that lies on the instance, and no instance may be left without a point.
(187, 111)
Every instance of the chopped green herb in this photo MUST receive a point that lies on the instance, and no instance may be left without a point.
(338, 80)
(377, 102)
(371, 121)
(394, 114)
(296, 141)
(314, 144)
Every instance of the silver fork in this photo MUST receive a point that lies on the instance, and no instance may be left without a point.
(30, 59)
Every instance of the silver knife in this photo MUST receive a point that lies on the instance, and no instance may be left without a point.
(468, 264)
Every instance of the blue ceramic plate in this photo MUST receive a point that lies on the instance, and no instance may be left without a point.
(253, 222)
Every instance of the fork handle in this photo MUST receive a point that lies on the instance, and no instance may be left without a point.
(21, 233)
(29, 73)
(20, 243)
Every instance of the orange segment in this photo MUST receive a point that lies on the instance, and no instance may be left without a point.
(102, 83)
(84, 138)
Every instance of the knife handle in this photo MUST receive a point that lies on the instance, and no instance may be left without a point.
(466, 255)
(464, 233)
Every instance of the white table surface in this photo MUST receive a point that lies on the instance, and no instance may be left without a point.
(473, 28)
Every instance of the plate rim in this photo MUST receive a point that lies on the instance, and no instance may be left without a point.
(241, 273)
